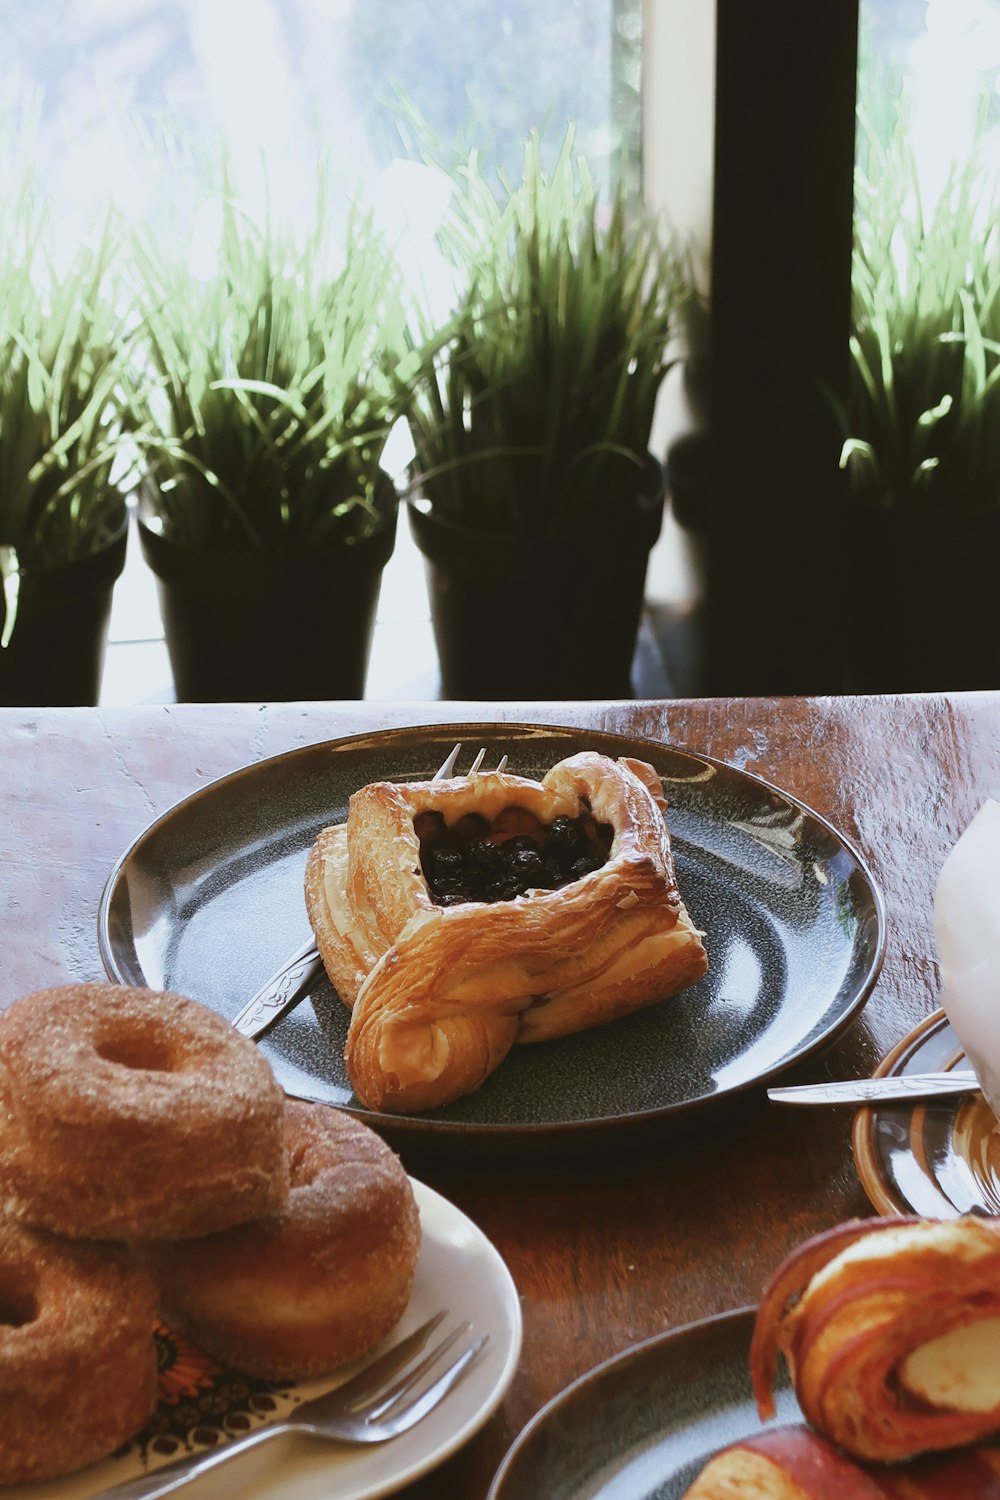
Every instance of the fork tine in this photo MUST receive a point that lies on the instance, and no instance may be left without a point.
(371, 1379)
(407, 1416)
(447, 767)
(411, 1378)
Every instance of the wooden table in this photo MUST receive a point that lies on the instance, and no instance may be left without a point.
(629, 1248)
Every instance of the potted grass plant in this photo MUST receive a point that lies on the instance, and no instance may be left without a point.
(63, 517)
(262, 405)
(922, 426)
(535, 499)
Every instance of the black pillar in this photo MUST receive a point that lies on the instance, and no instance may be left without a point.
(786, 74)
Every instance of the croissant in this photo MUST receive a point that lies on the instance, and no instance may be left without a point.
(442, 923)
(793, 1463)
(891, 1332)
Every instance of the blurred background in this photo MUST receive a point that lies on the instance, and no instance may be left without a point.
(136, 102)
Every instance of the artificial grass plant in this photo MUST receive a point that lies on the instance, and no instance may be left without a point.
(60, 367)
(922, 419)
(532, 412)
(266, 388)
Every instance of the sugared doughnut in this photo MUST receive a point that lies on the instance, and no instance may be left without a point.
(132, 1114)
(320, 1282)
(77, 1361)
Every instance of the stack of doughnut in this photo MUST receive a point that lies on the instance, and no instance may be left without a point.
(150, 1165)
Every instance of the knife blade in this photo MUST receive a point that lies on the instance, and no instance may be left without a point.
(902, 1086)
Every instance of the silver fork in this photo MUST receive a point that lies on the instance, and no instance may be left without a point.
(287, 985)
(371, 1408)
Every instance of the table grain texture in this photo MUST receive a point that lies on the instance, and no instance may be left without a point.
(604, 1252)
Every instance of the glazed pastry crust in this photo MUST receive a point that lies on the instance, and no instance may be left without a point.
(440, 994)
(864, 1314)
(783, 1463)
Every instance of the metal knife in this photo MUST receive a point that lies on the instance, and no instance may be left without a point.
(903, 1086)
(283, 990)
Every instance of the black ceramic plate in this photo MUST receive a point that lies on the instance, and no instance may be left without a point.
(208, 901)
(642, 1425)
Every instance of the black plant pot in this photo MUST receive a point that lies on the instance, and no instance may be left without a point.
(923, 604)
(56, 651)
(253, 626)
(689, 481)
(520, 617)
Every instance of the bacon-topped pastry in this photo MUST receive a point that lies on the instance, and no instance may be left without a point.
(783, 1463)
(456, 917)
(891, 1332)
(794, 1463)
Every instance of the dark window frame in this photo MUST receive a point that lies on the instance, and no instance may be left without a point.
(783, 199)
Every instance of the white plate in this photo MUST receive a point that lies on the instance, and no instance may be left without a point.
(458, 1269)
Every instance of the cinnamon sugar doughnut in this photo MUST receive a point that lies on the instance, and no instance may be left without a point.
(320, 1282)
(131, 1114)
(77, 1360)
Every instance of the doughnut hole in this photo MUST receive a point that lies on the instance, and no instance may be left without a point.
(142, 1050)
(304, 1165)
(18, 1303)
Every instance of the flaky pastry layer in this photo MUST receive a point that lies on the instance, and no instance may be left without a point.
(439, 995)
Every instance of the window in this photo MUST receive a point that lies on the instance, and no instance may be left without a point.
(137, 98)
(943, 57)
(281, 82)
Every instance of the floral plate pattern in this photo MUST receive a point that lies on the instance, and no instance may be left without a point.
(202, 1404)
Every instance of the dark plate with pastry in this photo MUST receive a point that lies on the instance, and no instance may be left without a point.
(642, 1425)
(868, 1372)
(610, 932)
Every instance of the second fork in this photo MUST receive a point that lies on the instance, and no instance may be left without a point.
(373, 1407)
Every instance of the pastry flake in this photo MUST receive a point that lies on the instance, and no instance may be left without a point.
(446, 951)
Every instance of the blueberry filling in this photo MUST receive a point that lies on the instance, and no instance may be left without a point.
(478, 861)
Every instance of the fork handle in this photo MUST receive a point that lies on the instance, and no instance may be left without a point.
(173, 1476)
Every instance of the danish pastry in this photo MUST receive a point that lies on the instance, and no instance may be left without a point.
(783, 1463)
(457, 917)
